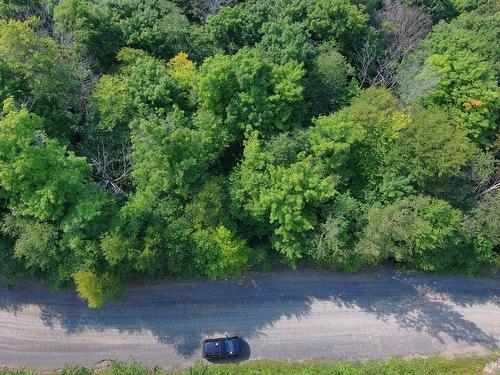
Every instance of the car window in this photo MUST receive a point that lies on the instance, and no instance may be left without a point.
(228, 346)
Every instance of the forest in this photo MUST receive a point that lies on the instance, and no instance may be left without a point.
(205, 138)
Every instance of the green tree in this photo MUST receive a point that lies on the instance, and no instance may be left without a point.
(285, 198)
(91, 31)
(353, 142)
(338, 20)
(284, 40)
(427, 153)
(233, 28)
(337, 236)
(24, 9)
(291, 199)
(461, 65)
(151, 236)
(475, 31)
(208, 207)
(170, 154)
(249, 92)
(96, 289)
(56, 214)
(438, 9)
(111, 104)
(144, 86)
(153, 90)
(35, 71)
(463, 6)
(420, 232)
(38, 176)
(36, 243)
(158, 27)
(219, 253)
(333, 139)
(331, 83)
(481, 231)
(467, 85)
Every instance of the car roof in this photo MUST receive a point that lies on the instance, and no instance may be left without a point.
(214, 346)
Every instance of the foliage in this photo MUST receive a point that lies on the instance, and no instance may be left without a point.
(250, 92)
(170, 154)
(352, 142)
(110, 104)
(421, 232)
(36, 242)
(429, 150)
(93, 33)
(460, 58)
(182, 69)
(467, 85)
(332, 83)
(481, 230)
(96, 289)
(338, 20)
(475, 31)
(208, 207)
(38, 176)
(145, 138)
(439, 9)
(284, 40)
(284, 196)
(233, 28)
(36, 71)
(219, 253)
(158, 27)
(338, 234)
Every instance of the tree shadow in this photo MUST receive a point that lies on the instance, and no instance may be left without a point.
(181, 314)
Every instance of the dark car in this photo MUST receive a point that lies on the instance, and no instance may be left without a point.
(222, 347)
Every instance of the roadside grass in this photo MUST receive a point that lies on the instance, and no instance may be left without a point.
(466, 365)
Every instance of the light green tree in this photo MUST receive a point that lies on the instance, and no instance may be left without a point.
(38, 176)
(467, 85)
(285, 198)
(418, 231)
(219, 253)
(428, 152)
(96, 289)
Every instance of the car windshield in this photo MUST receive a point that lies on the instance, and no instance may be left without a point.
(228, 346)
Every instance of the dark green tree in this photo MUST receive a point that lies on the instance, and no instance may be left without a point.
(37, 72)
(91, 31)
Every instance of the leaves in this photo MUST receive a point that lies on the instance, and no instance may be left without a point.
(39, 177)
(190, 138)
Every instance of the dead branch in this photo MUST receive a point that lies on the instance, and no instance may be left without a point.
(112, 165)
(401, 29)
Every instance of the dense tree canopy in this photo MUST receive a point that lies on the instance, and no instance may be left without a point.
(204, 138)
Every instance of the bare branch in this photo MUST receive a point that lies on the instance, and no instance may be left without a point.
(112, 165)
(401, 29)
(208, 7)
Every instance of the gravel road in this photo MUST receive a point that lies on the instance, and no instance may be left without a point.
(283, 315)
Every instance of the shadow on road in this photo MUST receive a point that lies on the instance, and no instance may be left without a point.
(181, 314)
